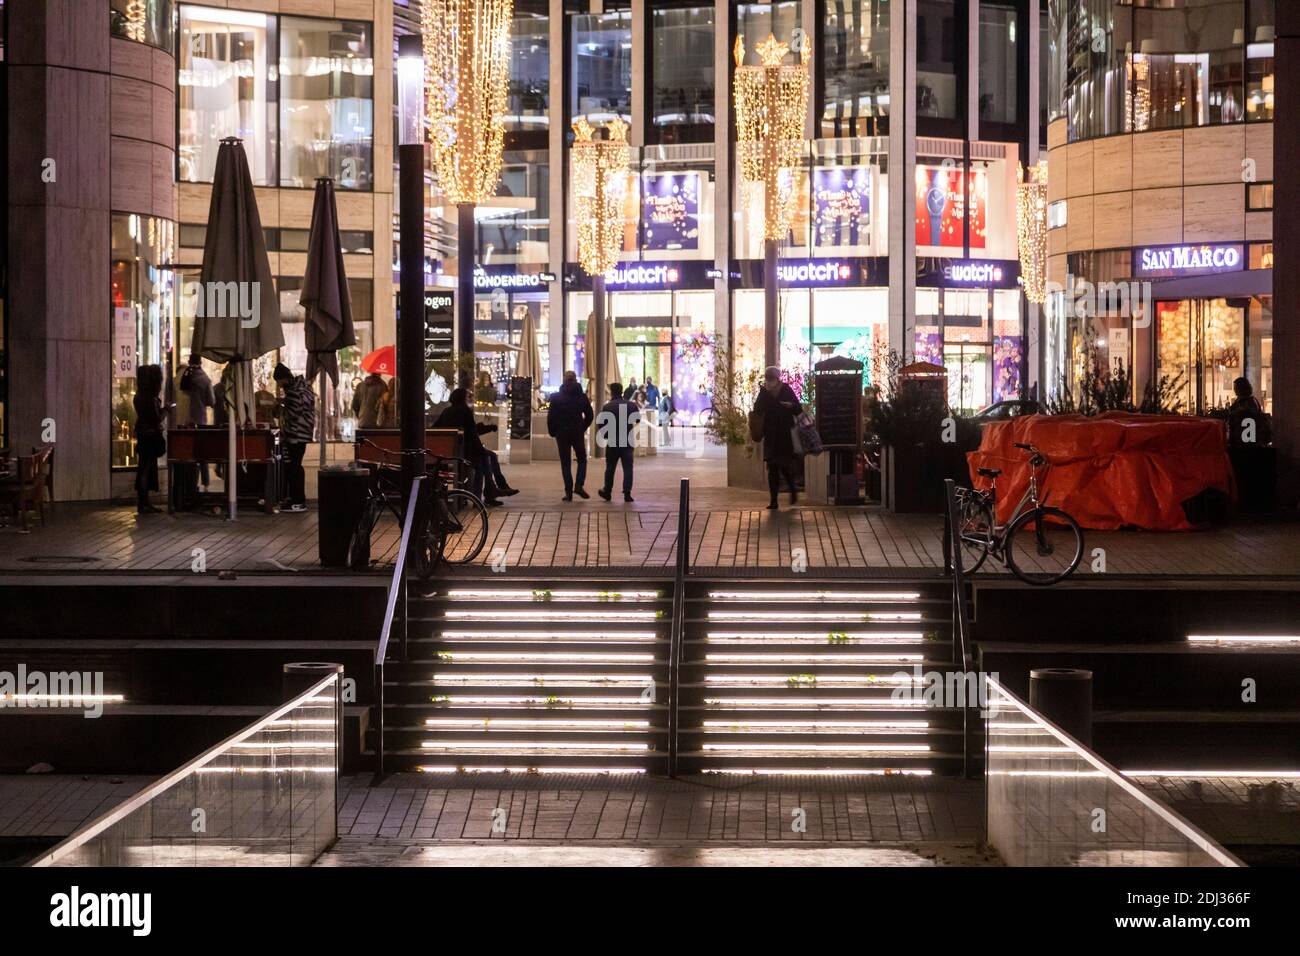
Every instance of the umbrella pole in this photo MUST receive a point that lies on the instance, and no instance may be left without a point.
(231, 467)
(323, 417)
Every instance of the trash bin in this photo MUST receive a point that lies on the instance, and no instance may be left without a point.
(1064, 696)
(341, 492)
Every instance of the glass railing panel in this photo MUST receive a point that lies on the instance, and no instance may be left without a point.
(1053, 802)
(264, 797)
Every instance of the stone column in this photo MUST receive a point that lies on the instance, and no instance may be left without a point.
(902, 166)
(1286, 253)
(59, 310)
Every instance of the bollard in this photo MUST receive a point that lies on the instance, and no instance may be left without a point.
(1064, 696)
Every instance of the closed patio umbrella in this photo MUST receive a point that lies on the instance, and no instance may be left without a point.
(325, 297)
(238, 319)
(529, 363)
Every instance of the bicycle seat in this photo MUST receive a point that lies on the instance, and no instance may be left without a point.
(990, 472)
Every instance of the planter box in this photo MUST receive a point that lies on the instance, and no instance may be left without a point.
(745, 467)
(912, 476)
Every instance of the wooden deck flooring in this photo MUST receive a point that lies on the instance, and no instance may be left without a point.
(594, 534)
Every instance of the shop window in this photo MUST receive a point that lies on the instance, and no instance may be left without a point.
(937, 33)
(1056, 214)
(681, 65)
(1201, 350)
(145, 21)
(999, 59)
(602, 66)
(529, 85)
(1259, 349)
(516, 227)
(1260, 38)
(142, 249)
(1187, 67)
(326, 102)
(853, 64)
(1259, 197)
(1260, 255)
(227, 86)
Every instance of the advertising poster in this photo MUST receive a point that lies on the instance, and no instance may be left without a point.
(842, 206)
(670, 211)
(124, 343)
(1008, 350)
(941, 206)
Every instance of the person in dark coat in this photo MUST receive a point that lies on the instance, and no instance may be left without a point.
(150, 444)
(458, 414)
(567, 421)
(777, 403)
(367, 398)
(615, 428)
(297, 428)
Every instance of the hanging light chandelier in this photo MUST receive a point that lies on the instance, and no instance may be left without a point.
(771, 103)
(466, 68)
(1031, 230)
(600, 182)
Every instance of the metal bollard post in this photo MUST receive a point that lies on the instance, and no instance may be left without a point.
(1064, 696)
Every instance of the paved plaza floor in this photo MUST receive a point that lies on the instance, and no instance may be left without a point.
(730, 528)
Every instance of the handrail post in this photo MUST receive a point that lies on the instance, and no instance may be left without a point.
(397, 590)
(960, 618)
(678, 630)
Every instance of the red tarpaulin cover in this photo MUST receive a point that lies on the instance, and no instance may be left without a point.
(1112, 471)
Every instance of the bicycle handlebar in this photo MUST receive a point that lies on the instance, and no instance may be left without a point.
(438, 460)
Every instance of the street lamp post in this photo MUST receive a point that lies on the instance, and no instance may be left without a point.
(771, 103)
(467, 66)
(600, 174)
(410, 345)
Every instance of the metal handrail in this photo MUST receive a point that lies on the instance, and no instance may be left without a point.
(1189, 831)
(961, 635)
(123, 810)
(396, 588)
(678, 630)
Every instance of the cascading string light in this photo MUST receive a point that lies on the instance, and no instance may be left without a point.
(1031, 230)
(771, 104)
(600, 183)
(466, 69)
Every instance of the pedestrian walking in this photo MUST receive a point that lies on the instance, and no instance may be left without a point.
(567, 421)
(615, 427)
(297, 429)
(651, 395)
(779, 407)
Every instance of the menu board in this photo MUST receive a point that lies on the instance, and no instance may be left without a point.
(838, 391)
(521, 407)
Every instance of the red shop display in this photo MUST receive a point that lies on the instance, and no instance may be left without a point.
(1117, 470)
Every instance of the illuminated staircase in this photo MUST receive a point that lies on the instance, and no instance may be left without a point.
(528, 675)
(822, 678)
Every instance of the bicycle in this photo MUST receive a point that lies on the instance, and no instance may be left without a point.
(458, 534)
(1040, 545)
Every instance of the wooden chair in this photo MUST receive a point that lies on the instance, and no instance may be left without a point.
(25, 490)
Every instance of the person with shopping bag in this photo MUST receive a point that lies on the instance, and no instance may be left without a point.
(775, 411)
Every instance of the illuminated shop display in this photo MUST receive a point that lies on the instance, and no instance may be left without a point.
(941, 206)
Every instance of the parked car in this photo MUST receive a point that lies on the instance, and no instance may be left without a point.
(1011, 408)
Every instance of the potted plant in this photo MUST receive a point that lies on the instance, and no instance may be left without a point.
(733, 400)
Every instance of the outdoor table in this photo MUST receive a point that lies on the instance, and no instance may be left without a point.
(498, 415)
(210, 444)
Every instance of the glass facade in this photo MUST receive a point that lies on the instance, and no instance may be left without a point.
(938, 38)
(602, 67)
(143, 304)
(1160, 64)
(326, 104)
(226, 86)
(302, 82)
(999, 63)
(145, 21)
(854, 68)
(681, 70)
(529, 93)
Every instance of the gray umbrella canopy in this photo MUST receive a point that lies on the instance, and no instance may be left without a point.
(325, 289)
(240, 316)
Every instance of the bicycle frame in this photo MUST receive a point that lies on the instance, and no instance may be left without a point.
(1028, 501)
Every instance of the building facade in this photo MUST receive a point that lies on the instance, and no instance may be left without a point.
(115, 109)
(1160, 150)
(919, 110)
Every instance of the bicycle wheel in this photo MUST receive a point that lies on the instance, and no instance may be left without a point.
(426, 539)
(359, 546)
(1044, 546)
(465, 526)
(975, 528)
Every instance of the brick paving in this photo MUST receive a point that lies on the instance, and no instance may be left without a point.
(1234, 810)
(641, 811)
